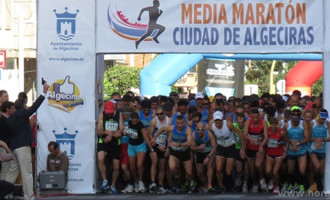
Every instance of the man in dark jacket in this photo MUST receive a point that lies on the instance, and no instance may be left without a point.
(7, 109)
(20, 140)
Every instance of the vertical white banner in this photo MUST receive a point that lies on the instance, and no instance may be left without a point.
(66, 60)
(326, 87)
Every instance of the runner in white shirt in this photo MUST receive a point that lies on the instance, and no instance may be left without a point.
(159, 143)
(226, 150)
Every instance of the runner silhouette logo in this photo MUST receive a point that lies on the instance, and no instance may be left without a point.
(134, 30)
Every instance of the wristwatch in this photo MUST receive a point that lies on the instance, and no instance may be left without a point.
(298, 144)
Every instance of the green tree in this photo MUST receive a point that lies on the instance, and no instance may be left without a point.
(259, 72)
(317, 87)
(174, 89)
(288, 65)
(121, 78)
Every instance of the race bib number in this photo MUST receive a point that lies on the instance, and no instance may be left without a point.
(256, 137)
(206, 149)
(314, 146)
(272, 143)
(132, 133)
(111, 126)
(225, 142)
(161, 139)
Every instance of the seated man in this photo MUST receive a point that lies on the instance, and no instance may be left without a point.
(5, 187)
(57, 160)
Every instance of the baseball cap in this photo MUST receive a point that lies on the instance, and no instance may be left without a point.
(114, 101)
(109, 107)
(323, 114)
(199, 95)
(295, 108)
(217, 115)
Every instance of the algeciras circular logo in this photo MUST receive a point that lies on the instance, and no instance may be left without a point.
(64, 95)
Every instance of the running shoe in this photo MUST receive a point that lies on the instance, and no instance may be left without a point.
(221, 189)
(263, 185)
(245, 188)
(192, 186)
(161, 190)
(293, 188)
(128, 189)
(301, 188)
(104, 185)
(113, 190)
(152, 187)
(255, 189)
(170, 189)
(271, 184)
(210, 188)
(285, 187)
(176, 189)
(276, 190)
(313, 188)
(204, 190)
(142, 189)
(136, 187)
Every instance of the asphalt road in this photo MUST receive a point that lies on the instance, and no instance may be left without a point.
(189, 196)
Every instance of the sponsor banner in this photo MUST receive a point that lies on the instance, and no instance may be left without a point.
(211, 91)
(234, 26)
(66, 61)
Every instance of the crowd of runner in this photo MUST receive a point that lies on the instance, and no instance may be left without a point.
(212, 144)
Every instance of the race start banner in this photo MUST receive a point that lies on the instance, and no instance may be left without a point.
(236, 26)
(66, 61)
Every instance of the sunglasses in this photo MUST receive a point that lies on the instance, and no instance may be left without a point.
(205, 104)
(217, 120)
(200, 129)
(158, 114)
(296, 113)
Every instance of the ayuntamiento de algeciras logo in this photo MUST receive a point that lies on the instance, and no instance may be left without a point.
(66, 142)
(64, 94)
(66, 24)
